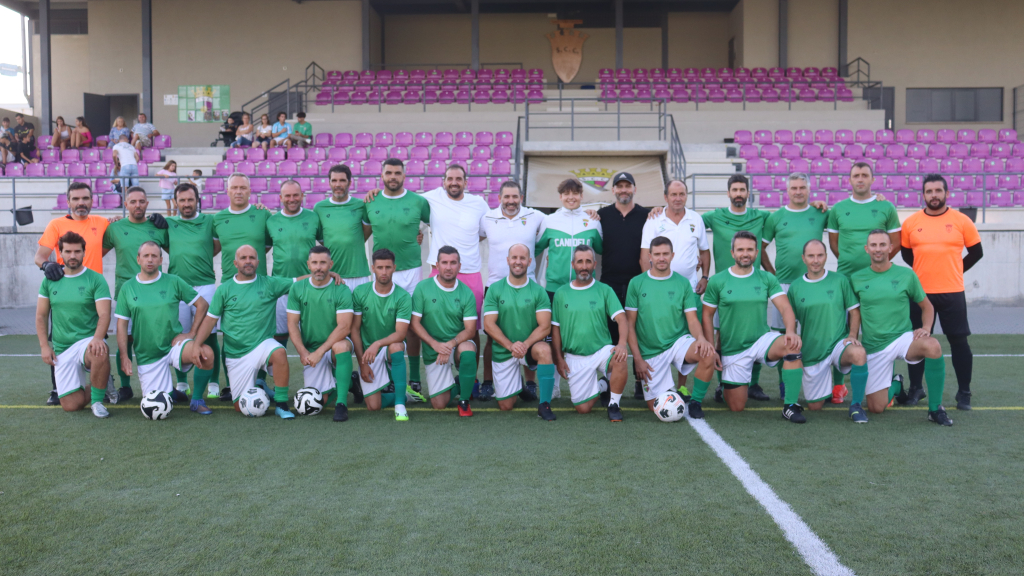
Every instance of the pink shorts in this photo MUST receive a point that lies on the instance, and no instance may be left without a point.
(476, 283)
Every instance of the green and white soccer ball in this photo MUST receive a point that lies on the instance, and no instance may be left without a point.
(309, 402)
(669, 407)
(254, 402)
(156, 405)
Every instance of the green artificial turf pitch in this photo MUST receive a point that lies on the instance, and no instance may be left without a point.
(505, 493)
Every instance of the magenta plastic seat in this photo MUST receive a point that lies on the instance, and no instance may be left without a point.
(778, 166)
(995, 165)
(906, 166)
(743, 137)
(276, 154)
(803, 137)
(988, 135)
(308, 168)
(885, 166)
(478, 167)
(749, 151)
(378, 153)
(756, 166)
(266, 168)
(828, 183)
(820, 166)
(224, 168)
(1008, 135)
(810, 151)
(763, 137)
(844, 137)
(837, 196)
(435, 168)
(783, 137)
(361, 139)
(770, 199)
(895, 151)
(865, 137)
(981, 150)
(905, 136)
(234, 155)
(966, 136)
(324, 140)
(481, 153)
(928, 166)
(832, 151)
(399, 152)
(460, 153)
(769, 95)
(874, 151)
(769, 151)
(151, 155)
(501, 168)
(296, 154)
(358, 153)
(799, 165)
(439, 153)
(884, 137)
(1002, 150)
(255, 154)
(951, 165)
(162, 141)
(937, 151)
(33, 169)
(908, 200)
(70, 155)
(945, 136)
(372, 167)
(1000, 199)
(761, 183)
(55, 170)
(823, 137)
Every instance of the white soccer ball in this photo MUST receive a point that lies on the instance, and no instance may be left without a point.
(254, 402)
(669, 407)
(156, 405)
(309, 402)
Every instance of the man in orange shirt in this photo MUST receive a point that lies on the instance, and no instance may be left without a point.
(933, 242)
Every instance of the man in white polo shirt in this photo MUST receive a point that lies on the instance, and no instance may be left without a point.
(685, 229)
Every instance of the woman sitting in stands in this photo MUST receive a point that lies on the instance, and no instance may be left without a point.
(264, 133)
(243, 134)
(61, 135)
(120, 128)
(81, 137)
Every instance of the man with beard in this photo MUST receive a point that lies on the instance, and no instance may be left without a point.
(293, 231)
(932, 243)
(583, 350)
(850, 220)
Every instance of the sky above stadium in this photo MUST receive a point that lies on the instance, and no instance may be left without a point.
(11, 87)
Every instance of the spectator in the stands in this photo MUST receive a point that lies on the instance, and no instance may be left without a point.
(197, 180)
(5, 128)
(81, 137)
(281, 131)
(264, 133)
(20, 130)
(120, 128)
(27, 149)
(168, 180)
(143, 133)
(6, 149)
(243, 134)
(228, 131)
(128, 155)
(302, 132)
(61, 135)
(115, 174)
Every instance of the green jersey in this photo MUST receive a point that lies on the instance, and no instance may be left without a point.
(125, 237)
(73, 306)
(304, 128)
(247, 311)
(853, 220)
(724, 224)
(560, 233)
(742, 303)
(396, 223)
(318, 308)
(341, 228)
(885, 304)
(443, 311)
(292, 237)
(791, 229)
(152, 307)
(516, 308)
(380, 312)
(191, 249)
(237, 229)
(820, 306)
(661, 305)
(582, 315)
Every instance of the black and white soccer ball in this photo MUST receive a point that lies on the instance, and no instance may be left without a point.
(156, 405)
(669, 407)
(309, 402)
(254, 402)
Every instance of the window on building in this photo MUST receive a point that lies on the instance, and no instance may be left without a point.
(954, 104)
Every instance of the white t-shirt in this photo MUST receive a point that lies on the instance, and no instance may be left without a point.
(457, 224)
(688, 238)
(125, 153)
(502, 233)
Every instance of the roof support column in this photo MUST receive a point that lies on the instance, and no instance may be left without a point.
(783, 34)
(147, 59)
(366, 34)
(475, 34)
(618, 34)
(45, 112)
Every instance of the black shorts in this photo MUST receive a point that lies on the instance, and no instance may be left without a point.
(951, 308)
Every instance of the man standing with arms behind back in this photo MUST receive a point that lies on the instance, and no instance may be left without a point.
(933, 241)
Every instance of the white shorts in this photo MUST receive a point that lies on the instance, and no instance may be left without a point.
(242, 371)
(282, 315)
(158, 375)
(508, 378)
(880, 364)
(737, 369)
(321, 376)
(408, 279)
(353, 282)
(817, 379)
(441, 377)
(381, 376)
(661, 368)
(187, 313)
(280, 139)
(774, 316)
(70, 372)
(585, 373)
(113, 319)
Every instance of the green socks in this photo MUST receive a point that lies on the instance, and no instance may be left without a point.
(858, 383)
(894, 389)
(546, 382)
(793, 379)
(332, 397)
(837, 377)
(755, 374)
(398, 376)
(467, 374)
(180, 377)
(281, 394)
(700, 388)
(935, 379)
(97, 394)
(202, 378)
(414, 368)
(343, 375)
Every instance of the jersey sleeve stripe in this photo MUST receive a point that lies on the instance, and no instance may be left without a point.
(342, 311)
(121, 317)
(831, 230)
(895, 230)
(192, 303)
(290, 311)
(711, 305)
(630, 309)
(617, 312)
(553, 323)
(417, 314)
(464, 318)
(214, 316)
(357, 313)
(491, 313)
(857, 305)
(684, 310)
(403, 320)
(544, 310)
(103, 298)
(44, 297)
(776, 295)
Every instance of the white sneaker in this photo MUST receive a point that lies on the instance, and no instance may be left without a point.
(401, 414)
(111, 395)
(556, 392)
(183, 388)
(213, 391)
(99, 410)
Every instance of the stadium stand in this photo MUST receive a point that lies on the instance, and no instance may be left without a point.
(723, 85)
(451, 86)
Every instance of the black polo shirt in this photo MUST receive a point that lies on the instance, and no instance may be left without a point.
(620, 261)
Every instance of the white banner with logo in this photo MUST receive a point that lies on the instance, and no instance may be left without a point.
(543, 174)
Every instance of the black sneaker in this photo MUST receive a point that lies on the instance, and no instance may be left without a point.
(719, 394)
(177, 396)
(792, 412)
(939, 417)
(125, 393)
(915, 395)
(614, 413)
(225, 394)
(545, 413)
(340, 412)
(755, 392)
(638, 390)
(54, 399)
(486, 391)
(356, 388)
(963, 400)
(695, 411)
(529, 393)
(389, 389)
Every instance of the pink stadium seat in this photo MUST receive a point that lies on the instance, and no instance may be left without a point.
(364, 139)
(1015, 165)
(259, 185)
(90, 155)
(321, 184)
(808, 95)
(928, 165)
(743, 137)
(951, 165)
(865, 137)
(49, 156)
(1002, 150)
(853, 151)
(832, 151)
(829, 183)
(296, 154)
(98, 169)
(500, 96)
(162, 141)
(274, 184)
(460, 153)
(945, 136)
(874, 151)
(478, 167)
(734, 95)
(414, 167)
(308, 168)
(770, 199)
(272, 200)
(988, 135)
(435, 168)
(1000, 199)
(783, 137)
(234, 155)
(810, 151)
(1007, 135)
(906, 166)
(224, 168)
(885, 137)
(276, 154)
(33, 169)
(756, 166)
(439, 153)
(444, 139)
(895, 151)
(464, 138)
(937, 151)
(502, 152)
(905, 137)
(908, 200)
(763, 137)
(400, 152)
(213, 185)
(378, 153)
(383, 139)
(266, 168)
(15, 169)
(255, 154)
(803, 137)
(221, 201)
(70, 155)
(824, 137)
(966, 136)
(424, 139)
(501, 168)
(358, 153)
(778, 166)
(769, 151)
(799, 165)
(917, 151)
(372, 167)
(55, 169)
(994, 165)
(844, 137)
(820, 166)
(981, 150)
(481, 153)
(973, 165)
(419, 153)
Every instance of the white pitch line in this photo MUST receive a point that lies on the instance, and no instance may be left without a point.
(816, 554)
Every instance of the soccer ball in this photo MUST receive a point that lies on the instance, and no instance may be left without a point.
(309, 402)
(254, 402)
(669, 407)
(156, 405)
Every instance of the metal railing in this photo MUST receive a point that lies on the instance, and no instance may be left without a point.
(656, 110)
(443, 65)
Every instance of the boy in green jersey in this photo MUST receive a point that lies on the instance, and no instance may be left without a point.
(562, 231)
(151, 301)
(664, 329)
(319, 319)
(293, 231)
(444, 317)
(517, 318)
(740, 295)
(885, 292)
(581, 341)
(382, 314)
(80, 308)
(822, 301)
